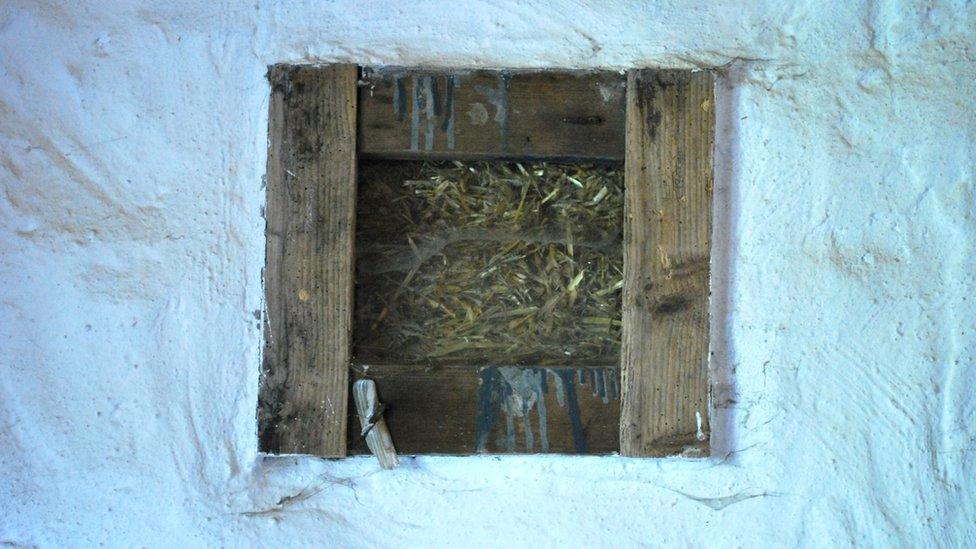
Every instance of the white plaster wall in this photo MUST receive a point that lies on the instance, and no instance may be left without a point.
(131, 246)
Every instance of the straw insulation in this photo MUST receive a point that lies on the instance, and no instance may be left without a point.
(488, 263)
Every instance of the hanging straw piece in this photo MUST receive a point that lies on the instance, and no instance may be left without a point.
(374, 426)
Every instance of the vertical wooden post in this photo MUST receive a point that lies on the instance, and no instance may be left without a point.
(309, 275)
(667, 231)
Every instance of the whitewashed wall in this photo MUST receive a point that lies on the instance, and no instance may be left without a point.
(131, 246)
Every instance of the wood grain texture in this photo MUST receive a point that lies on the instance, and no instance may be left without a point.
(310, 214)
(496, 409)
(667, 231)
(414, 113)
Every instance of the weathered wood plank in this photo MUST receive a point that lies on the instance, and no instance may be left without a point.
(415, 113)
(309, 275)
(667, 231)
(497, 409)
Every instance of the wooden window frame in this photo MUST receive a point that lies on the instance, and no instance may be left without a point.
(317, 134)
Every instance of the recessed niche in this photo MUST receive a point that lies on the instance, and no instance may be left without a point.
(488, 263)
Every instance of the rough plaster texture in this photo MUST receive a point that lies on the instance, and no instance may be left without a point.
(131, 233)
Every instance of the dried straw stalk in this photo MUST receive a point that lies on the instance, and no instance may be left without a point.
(488, 263)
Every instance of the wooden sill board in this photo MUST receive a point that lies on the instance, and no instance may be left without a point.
(496, 409)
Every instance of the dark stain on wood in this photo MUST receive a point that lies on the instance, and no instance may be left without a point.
(435, 95)
(645, 104)
(673, 304)
(399, 101)
(447, 125)
(572, 403)
(583, 120)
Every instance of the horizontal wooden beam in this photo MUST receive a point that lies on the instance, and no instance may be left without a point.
(496, 409)
(415, 113)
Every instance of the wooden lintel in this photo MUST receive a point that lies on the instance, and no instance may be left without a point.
(483, 114)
